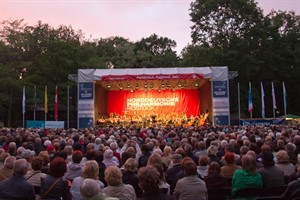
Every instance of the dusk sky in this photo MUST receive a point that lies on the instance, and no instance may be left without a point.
(131, 19)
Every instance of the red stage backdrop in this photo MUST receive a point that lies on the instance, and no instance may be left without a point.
(154, 102)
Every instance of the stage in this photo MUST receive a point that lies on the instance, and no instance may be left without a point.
(154, 96)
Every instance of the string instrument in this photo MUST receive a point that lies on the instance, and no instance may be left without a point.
(203, 119)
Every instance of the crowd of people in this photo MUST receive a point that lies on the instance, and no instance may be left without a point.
(132, 162)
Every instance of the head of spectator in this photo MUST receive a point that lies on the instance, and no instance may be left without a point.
(12, 148)
(189, 167)
(9, 162)
(77, 156)
(154, 159)
(51, 150)
(282, 156)
(131, 165)
(113, 146)
(290, 147)
(90, 189)
(3, 156)
(90, 154)
(90, 170)
(113, 176)
(19, 151)
(244, 150)
(27, 155)
(148, 178)
(214, 169)
(204, 160)
(212, 150)
(58, 167)
(37, 163)
(108, 154)
(46, 158)
(20, 166)
(177, 159)
(249, 163)
(267, 159)
(229, 158)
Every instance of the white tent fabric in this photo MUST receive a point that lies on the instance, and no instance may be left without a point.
(87, 75)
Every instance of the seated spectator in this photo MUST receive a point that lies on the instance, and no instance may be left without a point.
(34, 176)
(149, 182)
(90, 190)
(116, 187)
(130, 175)
(90, 171)
(272, 176)
(55, 179)
(247, 176)
(7, 170)
(202, 169)
(229, 167)
(16, 187)
(173, 172)
(74, 168)
(109, 159)
(212, 151)
(214, 178)
(284, 163)
(197, 188)
(293, 189)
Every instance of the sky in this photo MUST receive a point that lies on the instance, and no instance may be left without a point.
(131, 19)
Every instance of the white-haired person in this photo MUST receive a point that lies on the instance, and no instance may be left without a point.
(90, 190)
(116, 187)
(109, 159)
(90, 171)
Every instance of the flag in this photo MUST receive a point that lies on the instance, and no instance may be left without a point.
(34, 99)
(262, 100)
(284, 98)
(46, 100)
(23, 100)
(250, 104)
(56, 105)
(273, 96)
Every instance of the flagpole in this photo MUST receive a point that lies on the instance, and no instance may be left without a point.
(274, 100)
(23, 106)
(68, 107)
(46, 104)
(239, 102)
(34, 106)
(262, 101)
(284, 97)
(250, 103)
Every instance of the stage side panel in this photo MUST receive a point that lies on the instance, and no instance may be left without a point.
(206, 99)
(100, 101)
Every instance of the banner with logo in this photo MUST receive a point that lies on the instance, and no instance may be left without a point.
(153, 102)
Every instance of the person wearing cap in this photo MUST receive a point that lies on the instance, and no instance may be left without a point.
(51, 151)
(272, 176)
(172, 171)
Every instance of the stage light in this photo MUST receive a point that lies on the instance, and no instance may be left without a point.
(151, 85)
(131, 90)
(108, 86)
(196, 84)
(159, 90)
(162, 84)
(145, 85)
(137, 87)
(179, 84)
(128, 85)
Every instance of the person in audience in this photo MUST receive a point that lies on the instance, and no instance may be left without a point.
(34, 176)
(7, 170)
(293, 189)
(283, 163)
(130, 175)
(229, 167)
(202, 169)
(90, 190)
(271, 175)
(247, 176)
(173, 172)
(74, 168)
(90, 171)
(54, 186)
(214, 177)
(16, 187)
(149, 181)
(197, 187)
(109, 159)
(116, 187)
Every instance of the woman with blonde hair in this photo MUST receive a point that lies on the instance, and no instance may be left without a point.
(284, 164)
(116, 187)
(91, 171)
(130, 175)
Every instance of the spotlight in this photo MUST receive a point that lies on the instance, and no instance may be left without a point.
(145, 85)
(196, 84)
(159, 90)
(128, 85)
(137, 87)
(151, 85)
(108, 86)
(131, 90)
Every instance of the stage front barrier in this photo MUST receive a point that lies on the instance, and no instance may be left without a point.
(45, 124)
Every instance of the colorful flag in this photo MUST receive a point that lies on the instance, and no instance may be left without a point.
(56, 105)
(250, 104)
(23, 100)
(284, 98)
(46, 100)
(273, 97)
(262, 100)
